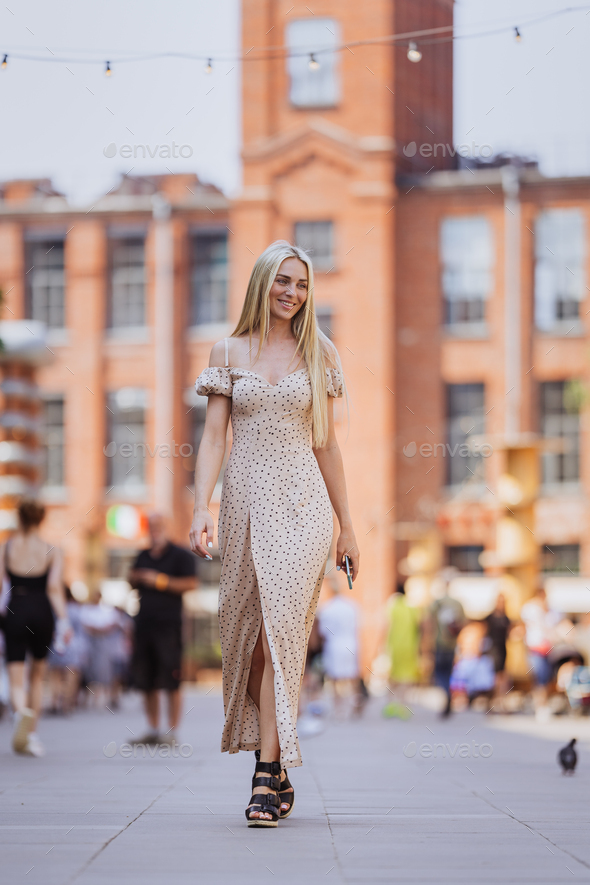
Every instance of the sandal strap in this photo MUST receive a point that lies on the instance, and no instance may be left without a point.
(273, 768)
(263, 803)
(272, 782)
(286, 784)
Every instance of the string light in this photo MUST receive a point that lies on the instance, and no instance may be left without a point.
(414, 53)
(108, 71)
(427, 37)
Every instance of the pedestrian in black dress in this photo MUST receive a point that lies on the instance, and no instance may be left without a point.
(35, 606)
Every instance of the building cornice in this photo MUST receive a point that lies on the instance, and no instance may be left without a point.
(58, 207)
(336, 136)
(469, 179)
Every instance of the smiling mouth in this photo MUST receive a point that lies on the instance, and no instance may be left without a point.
(287, 304)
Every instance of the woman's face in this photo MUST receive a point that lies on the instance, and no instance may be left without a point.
(288, 293)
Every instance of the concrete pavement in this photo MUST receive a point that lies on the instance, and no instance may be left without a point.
(467, 802)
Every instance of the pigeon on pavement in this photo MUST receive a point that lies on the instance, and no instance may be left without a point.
(568, 757)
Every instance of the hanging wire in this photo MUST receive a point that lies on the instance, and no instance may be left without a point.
(427, 37)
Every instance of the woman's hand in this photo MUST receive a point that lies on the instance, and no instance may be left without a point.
(202, 525)
(346, 546)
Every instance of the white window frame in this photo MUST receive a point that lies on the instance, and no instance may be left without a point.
(319, 87)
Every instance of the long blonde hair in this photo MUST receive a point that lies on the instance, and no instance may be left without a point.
(312, 345)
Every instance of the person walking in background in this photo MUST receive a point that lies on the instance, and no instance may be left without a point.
(276, 376)
(33, 569)
(100, 622)
(338, 626)
(446, 620)
(498, 624)
(540, 636)
(67, 662)
(403, 650)
(161, 574)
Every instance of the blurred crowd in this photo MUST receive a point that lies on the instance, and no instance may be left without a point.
(537, 662)
(58, 654)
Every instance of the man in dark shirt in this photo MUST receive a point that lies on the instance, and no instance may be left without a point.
(161, 574)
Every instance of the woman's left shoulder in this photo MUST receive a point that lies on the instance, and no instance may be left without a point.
(334, 376)
(334, 381)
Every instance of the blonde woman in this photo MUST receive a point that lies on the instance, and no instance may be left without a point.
(276, 377)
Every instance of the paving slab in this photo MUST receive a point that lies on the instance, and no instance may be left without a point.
(419, 801)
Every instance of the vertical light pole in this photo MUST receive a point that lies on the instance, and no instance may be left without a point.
(512, 303)
(164, 352)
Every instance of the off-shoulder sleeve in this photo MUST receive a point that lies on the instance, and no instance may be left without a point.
(214, 379)
(334, 382)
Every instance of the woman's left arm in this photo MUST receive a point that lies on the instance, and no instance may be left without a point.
(55, 586)
(329, 461)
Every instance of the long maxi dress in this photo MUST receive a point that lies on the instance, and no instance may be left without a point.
(275, 532)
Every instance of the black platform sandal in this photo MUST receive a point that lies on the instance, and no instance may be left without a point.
(286, 795)
(265, 803)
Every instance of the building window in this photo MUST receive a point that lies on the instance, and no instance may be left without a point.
(125, 446)
(561, 559)
(120, 561)
(209, 278)
(465, 420)
(53, 441)
(312, 64)
(467, 258)
(465, 558)
(560, 422)
(127, 303)
(560, 279)
(317, 239)
(325, 320)
(45, 282)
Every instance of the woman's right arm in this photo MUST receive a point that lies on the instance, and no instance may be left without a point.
(209, 460)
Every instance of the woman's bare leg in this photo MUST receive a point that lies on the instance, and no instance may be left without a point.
(262, 691)
(16, 677)
(36, 675)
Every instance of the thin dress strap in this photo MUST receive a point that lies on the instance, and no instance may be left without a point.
(226, 342)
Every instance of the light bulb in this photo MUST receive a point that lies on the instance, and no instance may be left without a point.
(517, 35)
(313, 63)
(414, 53)
(108, 71)
(4, 62)
(208, 67)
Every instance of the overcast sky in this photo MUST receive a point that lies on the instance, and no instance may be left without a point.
(57, 118)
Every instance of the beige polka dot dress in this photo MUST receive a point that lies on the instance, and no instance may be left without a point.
(275, 531)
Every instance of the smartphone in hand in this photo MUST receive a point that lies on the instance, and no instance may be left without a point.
(347, 566)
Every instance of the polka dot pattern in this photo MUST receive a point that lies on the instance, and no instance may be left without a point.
(275, 531)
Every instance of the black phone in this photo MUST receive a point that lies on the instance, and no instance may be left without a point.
(348, 571)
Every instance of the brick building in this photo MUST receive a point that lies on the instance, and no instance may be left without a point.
(492, 349)
(125, 290)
